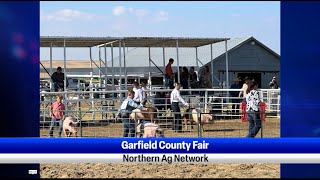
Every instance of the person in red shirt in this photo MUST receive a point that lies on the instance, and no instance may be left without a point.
(169, 74)
(57, 114)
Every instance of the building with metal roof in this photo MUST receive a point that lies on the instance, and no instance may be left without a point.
(146, 57)
(247, 57)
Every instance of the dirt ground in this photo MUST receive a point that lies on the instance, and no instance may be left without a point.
(221, 128)
(98, 170)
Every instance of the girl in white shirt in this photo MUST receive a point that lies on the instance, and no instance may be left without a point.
(253, 110)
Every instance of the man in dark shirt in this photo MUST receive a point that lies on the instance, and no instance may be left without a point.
(193, 75)
(58, 80)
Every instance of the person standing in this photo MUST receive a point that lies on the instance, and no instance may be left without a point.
(273, 84)
(57, 114)
(245, 87)
(138, 94)
(193, 80)
(185, 79)
(175, 98)
(253, 110)
(235, 94)
(193, 75)
(205, 78)
(124, 111)
(144, 93)
(58, 79)
(169, 74)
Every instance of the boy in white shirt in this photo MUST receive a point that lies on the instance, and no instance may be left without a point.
(175, 98)
(138, 94)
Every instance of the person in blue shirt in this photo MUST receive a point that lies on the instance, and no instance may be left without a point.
(124, 111)
(234, 95)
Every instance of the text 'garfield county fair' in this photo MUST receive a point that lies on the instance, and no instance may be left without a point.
(196, 145)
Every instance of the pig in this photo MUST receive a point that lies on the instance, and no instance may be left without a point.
(68, 126)
(149, 130)
(136, 115)
(149, 113)
(191, 115)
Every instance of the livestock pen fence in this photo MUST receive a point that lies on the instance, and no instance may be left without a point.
(96, 112)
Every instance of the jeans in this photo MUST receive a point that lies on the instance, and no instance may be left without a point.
(52, 124)
(128, 127)
(177, 121)
(169, 82)
(254, 123)
(57, 87)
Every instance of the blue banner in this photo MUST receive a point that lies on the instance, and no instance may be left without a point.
(19, 49)
(159, 145)
(300, 64)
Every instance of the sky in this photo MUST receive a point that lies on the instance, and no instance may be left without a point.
(160, 19)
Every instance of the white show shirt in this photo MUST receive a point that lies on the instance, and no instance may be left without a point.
(253, 101)
(138, 95)
(176, 97)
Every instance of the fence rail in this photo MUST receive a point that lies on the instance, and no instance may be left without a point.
(97, 110)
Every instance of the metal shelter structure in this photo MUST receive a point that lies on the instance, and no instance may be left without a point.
(79, 105)
(121, 43)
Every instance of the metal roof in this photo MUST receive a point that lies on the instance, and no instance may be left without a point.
(58, 41)
(187, 57)
(137, 59)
